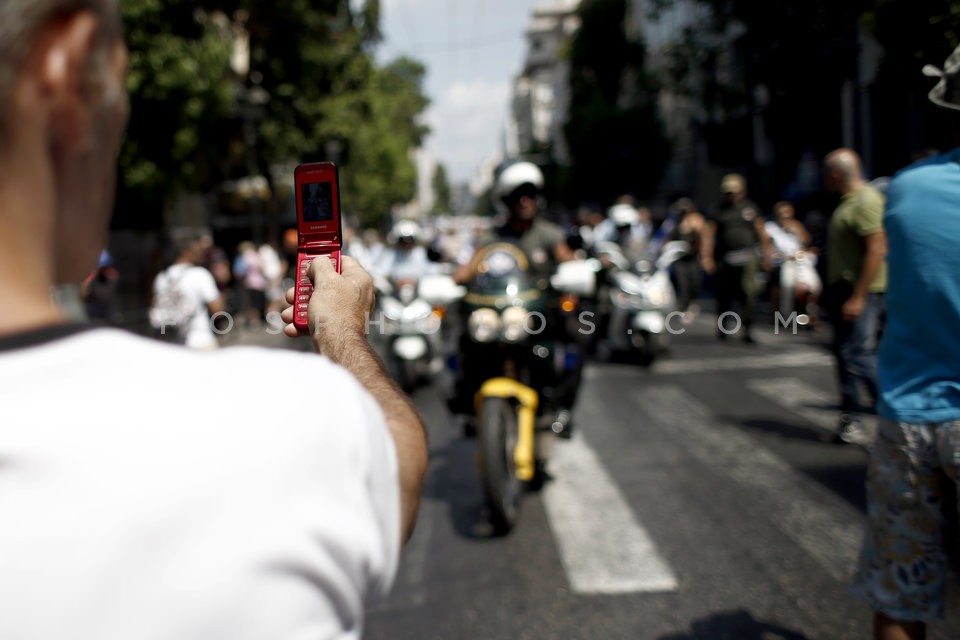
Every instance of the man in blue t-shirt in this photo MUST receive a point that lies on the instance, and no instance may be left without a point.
(903, 568)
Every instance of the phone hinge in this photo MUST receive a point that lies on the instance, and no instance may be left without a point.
(321, 243)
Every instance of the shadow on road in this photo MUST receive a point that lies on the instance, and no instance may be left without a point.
(735, 625)
(780, 428)
(453, 479)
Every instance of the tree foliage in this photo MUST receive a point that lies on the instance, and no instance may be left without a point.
(790, 61)
(441, 187)
(614, 132)
(179, 58)
(325, 98)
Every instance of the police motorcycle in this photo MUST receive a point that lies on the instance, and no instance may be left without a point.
(412, 305)
(513, 361)
(640, 309)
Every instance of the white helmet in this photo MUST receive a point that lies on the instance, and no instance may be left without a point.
(406, 230)
(516, 175)
(623, 215)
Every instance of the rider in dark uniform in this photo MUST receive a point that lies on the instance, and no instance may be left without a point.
(519, 188)
(736, 248)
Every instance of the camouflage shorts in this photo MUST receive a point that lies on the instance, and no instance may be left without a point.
(903, 566)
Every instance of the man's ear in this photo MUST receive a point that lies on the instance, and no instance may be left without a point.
(65, 62)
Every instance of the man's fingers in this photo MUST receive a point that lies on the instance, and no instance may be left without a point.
(291, 331)
(321, 267)
(290, 295)
(287, 315)
(352, 270)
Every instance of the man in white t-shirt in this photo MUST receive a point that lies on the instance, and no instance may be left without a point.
(197, 288)
(241, 494)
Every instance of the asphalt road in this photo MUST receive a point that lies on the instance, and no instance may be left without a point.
(699, 499)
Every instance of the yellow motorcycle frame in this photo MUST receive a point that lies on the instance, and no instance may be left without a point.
(527, 399)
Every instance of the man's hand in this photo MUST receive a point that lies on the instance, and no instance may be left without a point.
(853, 307)
(708, 264)
(340, 304)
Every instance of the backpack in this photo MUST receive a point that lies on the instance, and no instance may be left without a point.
(172, 307)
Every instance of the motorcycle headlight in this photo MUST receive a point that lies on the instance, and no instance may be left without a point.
(417, 310)
(429, 324)
(658, 297)
(484, 325)
(514, 321)
(391, 308)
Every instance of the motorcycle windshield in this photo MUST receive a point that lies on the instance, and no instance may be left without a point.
(503, 279)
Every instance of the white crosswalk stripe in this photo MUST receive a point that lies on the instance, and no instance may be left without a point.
(603, 547)
(820, 522)
(722, 363)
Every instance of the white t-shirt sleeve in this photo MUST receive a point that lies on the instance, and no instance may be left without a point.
(205, 285)
(383, 490)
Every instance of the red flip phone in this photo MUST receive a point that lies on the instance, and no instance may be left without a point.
(319, 234)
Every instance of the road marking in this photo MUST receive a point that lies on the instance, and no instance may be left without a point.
(603, 547)
(820, 522)
(766, 361)
(724, 363)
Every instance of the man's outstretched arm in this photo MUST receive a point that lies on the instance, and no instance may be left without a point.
(338, 312)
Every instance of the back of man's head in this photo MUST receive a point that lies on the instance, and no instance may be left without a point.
(21, 23)
(842, 170)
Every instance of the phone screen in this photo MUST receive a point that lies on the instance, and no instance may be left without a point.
(317, 201)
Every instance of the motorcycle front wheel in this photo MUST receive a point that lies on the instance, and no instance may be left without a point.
(498, 440)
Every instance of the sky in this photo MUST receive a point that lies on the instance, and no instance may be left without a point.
(472, 50)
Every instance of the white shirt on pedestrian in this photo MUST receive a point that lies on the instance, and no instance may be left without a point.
(198, 285)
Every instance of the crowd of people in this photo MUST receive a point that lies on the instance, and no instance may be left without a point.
(166, 515)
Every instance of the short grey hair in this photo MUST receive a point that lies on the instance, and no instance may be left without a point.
(21, 21)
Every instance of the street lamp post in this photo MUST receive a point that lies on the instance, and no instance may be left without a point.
(252, 106)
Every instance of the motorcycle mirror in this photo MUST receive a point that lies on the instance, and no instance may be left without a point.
(440, 289)
(575, 277)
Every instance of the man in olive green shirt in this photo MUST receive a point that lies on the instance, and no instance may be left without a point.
(856, 281)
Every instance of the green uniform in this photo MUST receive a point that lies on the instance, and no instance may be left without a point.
(537, 242)
(859, 214)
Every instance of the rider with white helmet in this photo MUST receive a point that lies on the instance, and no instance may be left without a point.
(518, 191)
(407, 259)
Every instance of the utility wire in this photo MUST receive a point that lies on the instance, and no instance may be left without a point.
(408, 27)
(477, 30)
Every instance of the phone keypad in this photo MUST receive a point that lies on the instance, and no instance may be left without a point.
(304, 287)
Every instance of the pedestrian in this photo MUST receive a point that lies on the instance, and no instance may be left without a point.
(736, 247)
(248, 270)
(273, 270)
(241, 494)
(186, 296)
(903, 567)
(690, 227)
(795, 284)
(99, 291)
(856, 280)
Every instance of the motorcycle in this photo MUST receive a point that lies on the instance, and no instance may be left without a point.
(411, 321)
(641, 301)
(512, 371)
(799, 285)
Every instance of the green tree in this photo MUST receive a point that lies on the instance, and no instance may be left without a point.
(325, 97)
(441, 188)
(327, 93)
(614, 131)
(180, 96)
(378, 169)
